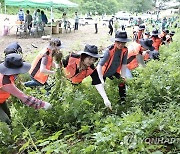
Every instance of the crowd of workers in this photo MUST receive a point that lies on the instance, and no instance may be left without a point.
(117, 61)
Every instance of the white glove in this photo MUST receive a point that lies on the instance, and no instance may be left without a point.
(100, 89)
(47, 106)
(108, 104)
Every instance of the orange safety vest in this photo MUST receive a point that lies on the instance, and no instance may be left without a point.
(132, 62)
(70, 71)
(35, 67)
(108, 63)
(3, 94)
(156, 43)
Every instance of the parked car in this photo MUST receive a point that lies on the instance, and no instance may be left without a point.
(81, 21)
(124, 21)
(88, 20)
(105, 21)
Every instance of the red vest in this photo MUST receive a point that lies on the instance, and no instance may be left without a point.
(70, 71)
(110, 60)
(156, 43)
(35, 67)
(132, 62)
(3, 94)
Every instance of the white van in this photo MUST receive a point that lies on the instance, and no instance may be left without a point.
(124, 21)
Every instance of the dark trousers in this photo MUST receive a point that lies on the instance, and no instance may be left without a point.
(123, 27)
(96, 28)
(76, 26)
(122, 89)
(35, 83)
(111, 30)
(5, 115)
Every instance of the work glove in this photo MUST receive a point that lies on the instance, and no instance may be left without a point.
(36, 103)
(102, 92)
(108, 104)
(47, 106)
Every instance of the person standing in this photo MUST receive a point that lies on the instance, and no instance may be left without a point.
(110, 26)
(28, 20)
(164, 22)
(9, 70)
(96, 22)
(76, 21)
(44, 18)
(64, 17)
(114, 62)
(6, 27)
(21, 15)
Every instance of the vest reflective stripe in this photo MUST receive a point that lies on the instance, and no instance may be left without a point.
(132, 54)
(70, 71)
(3, 94)
(35, 67)
(156, 43)
(108, 63)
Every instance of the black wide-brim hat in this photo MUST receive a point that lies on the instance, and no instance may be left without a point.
(91, 50)
(13, 47)
(14, 64)
(141, 27)
(121, 36)
(155, 32)
(147, 43)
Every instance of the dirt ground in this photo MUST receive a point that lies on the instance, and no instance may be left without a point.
(73, 41)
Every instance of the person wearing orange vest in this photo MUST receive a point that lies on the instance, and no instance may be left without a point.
(140, 33)
(149, 52)
(114, 61)
(163, 35)
(79, 66)
(156, 40)
(135, 55)
(9, 69)
(169, 37)
(42, 64)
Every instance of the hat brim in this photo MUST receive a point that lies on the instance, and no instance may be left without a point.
(145, 46)
(90, 54)
(9, 71)
(60, 47)
(155, 34)
(141, 28)
(121, 40)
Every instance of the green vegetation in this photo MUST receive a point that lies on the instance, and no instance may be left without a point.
(91, 6)
(79, 122)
